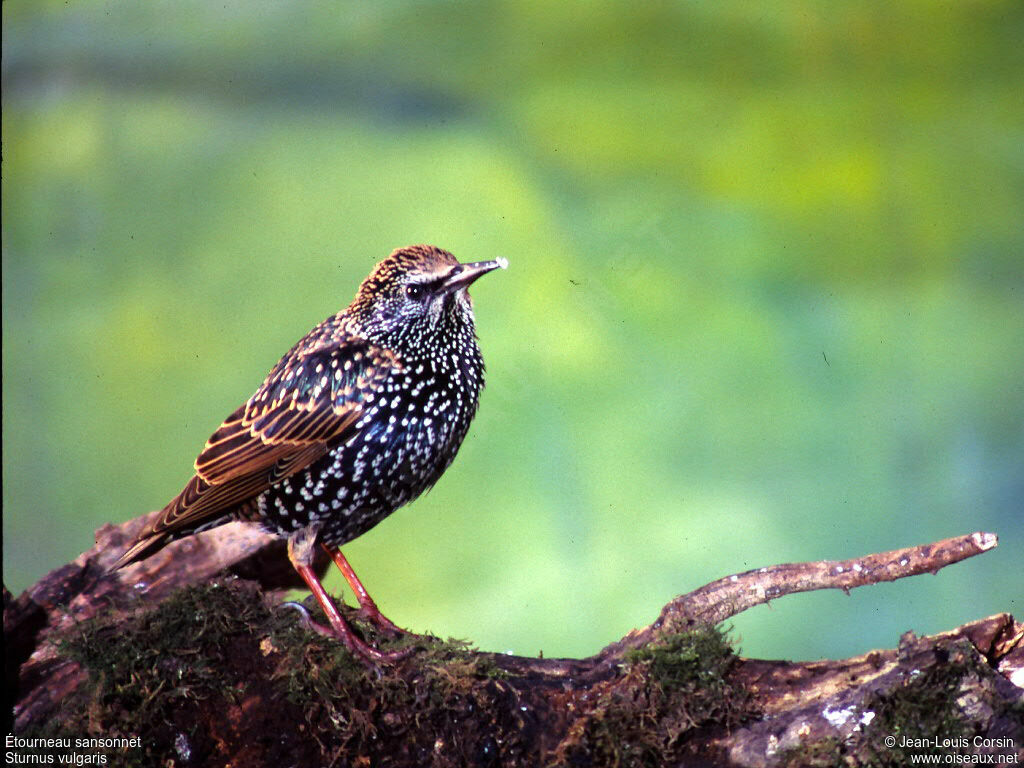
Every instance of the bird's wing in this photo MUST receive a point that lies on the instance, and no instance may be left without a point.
(311, 400)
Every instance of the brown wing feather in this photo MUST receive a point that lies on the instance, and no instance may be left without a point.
(311, 400)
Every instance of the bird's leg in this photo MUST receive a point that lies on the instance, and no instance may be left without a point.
(300, 553)
(367, 606)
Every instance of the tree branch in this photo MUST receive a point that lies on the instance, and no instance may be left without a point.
(671, 690)
(721, 600)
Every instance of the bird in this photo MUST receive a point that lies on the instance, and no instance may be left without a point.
(361, 416)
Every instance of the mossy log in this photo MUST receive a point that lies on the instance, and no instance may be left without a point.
(188, 659)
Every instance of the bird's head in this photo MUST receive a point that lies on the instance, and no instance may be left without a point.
(418, 290)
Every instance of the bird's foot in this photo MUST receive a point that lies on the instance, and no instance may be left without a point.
(300, 552)
(355, 644)
(384, 625)
(368, 609)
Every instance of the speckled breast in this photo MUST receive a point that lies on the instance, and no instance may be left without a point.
(408, 434)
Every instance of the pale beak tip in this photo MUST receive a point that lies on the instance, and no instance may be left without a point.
(502, 262)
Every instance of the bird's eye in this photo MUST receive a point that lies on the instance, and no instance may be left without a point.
(414, 291)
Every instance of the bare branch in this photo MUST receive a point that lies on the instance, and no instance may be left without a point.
(729, 596)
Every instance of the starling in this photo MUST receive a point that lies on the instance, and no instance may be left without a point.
(360, 417)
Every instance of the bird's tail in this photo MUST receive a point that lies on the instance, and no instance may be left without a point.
(143, 547)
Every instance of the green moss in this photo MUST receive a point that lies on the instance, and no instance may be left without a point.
(442, 706)
(925, 712)
(692, 663)
(669, 690)
(213, 674)
(155, 674)
(924, 707)
(181, 649)
(827, 753)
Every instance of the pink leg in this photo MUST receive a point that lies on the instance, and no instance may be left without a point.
(300, 554)
(366, 603)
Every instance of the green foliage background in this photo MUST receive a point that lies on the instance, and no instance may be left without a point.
(764, 305)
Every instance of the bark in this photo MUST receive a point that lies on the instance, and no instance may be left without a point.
(222, 670)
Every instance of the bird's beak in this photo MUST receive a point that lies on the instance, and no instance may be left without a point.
(464, 275)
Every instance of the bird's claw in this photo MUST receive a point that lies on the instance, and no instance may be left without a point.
(359, 648)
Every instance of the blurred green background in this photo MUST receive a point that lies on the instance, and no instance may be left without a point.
(765, 303)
